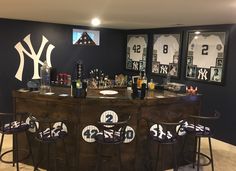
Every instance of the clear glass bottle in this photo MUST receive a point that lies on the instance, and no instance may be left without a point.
(144, 80)
(45, 78)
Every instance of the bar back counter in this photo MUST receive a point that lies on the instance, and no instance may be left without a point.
(82, 115)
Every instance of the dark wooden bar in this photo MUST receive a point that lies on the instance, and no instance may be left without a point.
(160, 105)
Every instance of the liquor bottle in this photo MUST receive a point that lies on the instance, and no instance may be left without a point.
(45, 78)
(81, 84)
(79, 70)
(144, 79)
(129, 83)
(143, 91)
(151, 85)
(139, 81)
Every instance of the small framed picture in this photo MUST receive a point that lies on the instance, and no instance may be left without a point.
(207, 53)
(219, 62)
(216, 74)
(136, 53)
(190, 60)
(155, 67)
(173, 69)
(166, 53)
(191, 71)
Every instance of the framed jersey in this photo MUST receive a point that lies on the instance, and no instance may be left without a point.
(165, 56)
(136, 52)
(206, 56)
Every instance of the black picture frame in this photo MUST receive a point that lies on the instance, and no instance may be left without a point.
(136, 52)
(207, 51)
(166, 53)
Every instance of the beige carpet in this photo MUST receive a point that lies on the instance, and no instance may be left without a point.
(224, 157)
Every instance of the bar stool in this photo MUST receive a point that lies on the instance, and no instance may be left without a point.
(198, 128)
(50, 132)
(111, 134)
(14, 124)
(163, 134)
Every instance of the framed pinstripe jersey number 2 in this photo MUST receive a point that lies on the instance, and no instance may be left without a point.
(165, 56)
(206, 56)
(136, 52)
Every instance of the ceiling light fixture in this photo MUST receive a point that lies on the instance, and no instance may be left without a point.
(197, 32)
(95, 22)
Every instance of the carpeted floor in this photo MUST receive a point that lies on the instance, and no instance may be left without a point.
(224, 157)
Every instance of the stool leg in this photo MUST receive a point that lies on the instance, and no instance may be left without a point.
(119, 155)
(198, 153)
(98, 157)
(30, 148)
(157, 156)
(174, 158)
(1, 143)
(13, 147)
(16, 149)
(55, 155)
(194, 151)
(182, 149)
(212, 163)
(65, 151)
(48, 156)
(39, 157)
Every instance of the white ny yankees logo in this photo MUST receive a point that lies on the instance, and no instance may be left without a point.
(33, 55)
(202, 74)
(164, 69)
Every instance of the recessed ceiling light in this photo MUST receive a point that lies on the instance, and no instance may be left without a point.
(197, 32)
(195, 37)
(95, 21)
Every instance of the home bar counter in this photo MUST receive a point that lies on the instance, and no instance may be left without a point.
(82, 112)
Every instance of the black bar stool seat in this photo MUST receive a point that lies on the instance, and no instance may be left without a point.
(14, 128)
(111, 134)
(49, 132)
(162, 134)
(197, 127)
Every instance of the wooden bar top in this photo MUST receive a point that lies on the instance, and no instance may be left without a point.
(59, 93)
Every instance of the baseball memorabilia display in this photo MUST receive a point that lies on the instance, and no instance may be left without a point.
(136, 52)
(165, 56)
(206, 56)
(86, 37)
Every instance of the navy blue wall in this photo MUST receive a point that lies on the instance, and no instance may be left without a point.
(110, 56)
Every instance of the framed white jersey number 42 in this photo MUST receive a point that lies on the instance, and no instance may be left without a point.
(136, 52)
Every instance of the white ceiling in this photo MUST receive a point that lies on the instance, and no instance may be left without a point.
(123, 14)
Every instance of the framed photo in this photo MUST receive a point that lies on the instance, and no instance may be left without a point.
(191, 71)
(155, 67)
(216, 74)
(219, 62)
(165, 55)
(136, 54)
(86, 37)
(206, 54)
